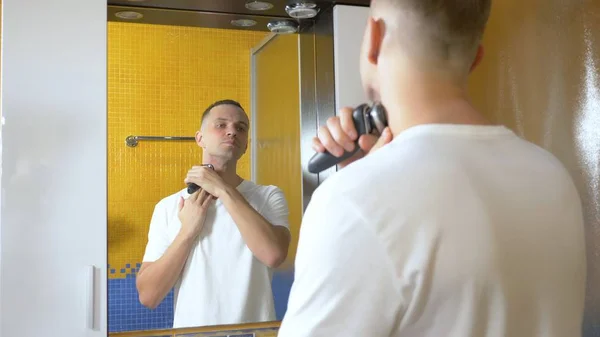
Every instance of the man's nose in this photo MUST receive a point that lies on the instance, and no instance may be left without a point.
(232, 132)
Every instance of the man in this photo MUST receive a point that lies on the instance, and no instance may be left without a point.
(218, 246)
(454, 227)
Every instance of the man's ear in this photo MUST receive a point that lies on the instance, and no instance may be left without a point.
(375, 32)
(199, 139)
(478, 58)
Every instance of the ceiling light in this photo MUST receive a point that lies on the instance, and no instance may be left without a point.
(302, 10)
(129, 15)
(255, 5)
(283, 26)
(243, 22)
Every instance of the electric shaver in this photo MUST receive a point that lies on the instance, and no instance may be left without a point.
(193, 187)
(367, 120)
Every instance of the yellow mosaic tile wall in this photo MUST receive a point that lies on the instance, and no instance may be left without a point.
(160, 79)
(278, 127)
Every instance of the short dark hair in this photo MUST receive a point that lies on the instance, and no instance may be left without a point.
(450, 23)
(221, 102)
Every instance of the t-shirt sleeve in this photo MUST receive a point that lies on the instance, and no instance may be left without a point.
(276, 210)
(158, 239)
(343, 279)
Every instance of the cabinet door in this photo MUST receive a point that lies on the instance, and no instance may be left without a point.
(53, 215)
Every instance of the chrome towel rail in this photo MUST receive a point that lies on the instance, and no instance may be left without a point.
(132, 141)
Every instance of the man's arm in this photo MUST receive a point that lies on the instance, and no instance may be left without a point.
(156, 279)
(269, 242)
(344, 284)
(164, 260)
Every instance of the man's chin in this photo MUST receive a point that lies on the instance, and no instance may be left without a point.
(233, 154)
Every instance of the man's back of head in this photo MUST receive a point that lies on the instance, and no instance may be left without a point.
(441, 32)
(416, 56)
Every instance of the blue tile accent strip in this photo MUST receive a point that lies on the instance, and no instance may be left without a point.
(281, 285)
(126, 313)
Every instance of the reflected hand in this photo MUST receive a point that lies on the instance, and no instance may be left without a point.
(208, 180)
(340, 134)
(192, 212)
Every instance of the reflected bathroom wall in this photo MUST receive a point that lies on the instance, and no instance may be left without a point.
(276, 99)
(541, 77)
(277, 124)
(160, 79)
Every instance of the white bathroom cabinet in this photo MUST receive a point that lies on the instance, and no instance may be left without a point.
(53, 215)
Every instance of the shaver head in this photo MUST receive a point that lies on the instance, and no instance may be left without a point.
(378, 117)
(192, 188)
(374, 118)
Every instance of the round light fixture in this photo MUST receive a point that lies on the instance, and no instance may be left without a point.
(283, 26)
(255, 5)
(129, 15)
(302, 10)
(243, 22)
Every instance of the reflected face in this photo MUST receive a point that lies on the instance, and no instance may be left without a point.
(224, 132)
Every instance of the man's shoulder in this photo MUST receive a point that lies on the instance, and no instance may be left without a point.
(252, 188)
(172, 199)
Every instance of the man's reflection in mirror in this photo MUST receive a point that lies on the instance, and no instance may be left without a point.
(218, 246)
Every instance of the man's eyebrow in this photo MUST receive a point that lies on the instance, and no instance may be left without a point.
(220, 119)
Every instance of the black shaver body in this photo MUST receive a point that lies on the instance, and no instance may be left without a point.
(367, 120)
(193, 187)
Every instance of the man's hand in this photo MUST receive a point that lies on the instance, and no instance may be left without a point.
(208, 180)
(340, 134)
(192, 213)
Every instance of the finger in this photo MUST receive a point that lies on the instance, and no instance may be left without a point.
(356, 156)
(203, 196)
(180, 204)
(194, 196)
(193, 177)
(191, 171)
(385, 138)
(208, 200)
(317, 146)
(347, 123)
(329, 143)
(335, 128)
(366, 142)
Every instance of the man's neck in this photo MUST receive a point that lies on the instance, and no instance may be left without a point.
(227, 169)
(427, 101)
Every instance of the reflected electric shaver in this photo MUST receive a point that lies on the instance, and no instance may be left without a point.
(367, 120)
(193, 187)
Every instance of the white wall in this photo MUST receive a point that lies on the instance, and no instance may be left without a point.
(349, 23)
(53, 215)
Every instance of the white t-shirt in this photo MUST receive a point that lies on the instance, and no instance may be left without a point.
(222, 282)
(449, 230)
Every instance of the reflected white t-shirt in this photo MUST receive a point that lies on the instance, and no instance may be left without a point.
(449, 230)
(222, 282)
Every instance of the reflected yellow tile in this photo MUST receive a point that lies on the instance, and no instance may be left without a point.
(160, 79)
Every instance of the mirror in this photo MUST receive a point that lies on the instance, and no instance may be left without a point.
(165, 68)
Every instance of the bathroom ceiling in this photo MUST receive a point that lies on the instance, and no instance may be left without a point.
(209, 13)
